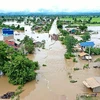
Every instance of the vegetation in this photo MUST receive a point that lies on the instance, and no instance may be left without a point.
(17, 93)
(28, 42)
(59, 25)
(16, 66)
(86, 66)
(12, 27)
(76, 69)
(97, 60)
(68, 55)
(83, 27)
(86, 97)
(95, 51)
(64, 32)
(79, 20)
(70, 42)
(85, 37)
(73, 81)
(44, 65)
(74, 60)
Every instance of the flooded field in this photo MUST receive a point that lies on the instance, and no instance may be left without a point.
(95, 37)
(53, 80)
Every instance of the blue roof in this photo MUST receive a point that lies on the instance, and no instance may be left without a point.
(86, 44)
(7, 31)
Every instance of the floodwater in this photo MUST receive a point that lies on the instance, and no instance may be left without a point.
(95, 37)
(53, 80)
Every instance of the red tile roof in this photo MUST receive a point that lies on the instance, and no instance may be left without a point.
(11, 43)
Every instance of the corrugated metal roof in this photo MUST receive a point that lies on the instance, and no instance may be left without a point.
(86, 44)
(81, 54)
(7, 31)
(92, 82)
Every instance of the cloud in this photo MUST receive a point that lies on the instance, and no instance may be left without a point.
(56, 5)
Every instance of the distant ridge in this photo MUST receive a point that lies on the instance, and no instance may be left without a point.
(48, 13)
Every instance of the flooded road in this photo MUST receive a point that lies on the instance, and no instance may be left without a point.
(53, 80)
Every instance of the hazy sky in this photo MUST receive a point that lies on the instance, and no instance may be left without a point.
(55, 5)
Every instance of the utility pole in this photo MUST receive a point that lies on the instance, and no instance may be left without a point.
(89, 57)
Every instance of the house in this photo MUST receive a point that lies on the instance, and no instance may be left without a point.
(93, 83)
(84, 56)
(73, 31)
(7, 34)
(83, 45)
(87, 44)
(11, 43)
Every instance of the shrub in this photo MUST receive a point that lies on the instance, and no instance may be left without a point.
(67, 56)
(44, 65)
(76, 69)
(73, 81)
(74, 60)
(86, 66)
(61, 38)
(72, 55)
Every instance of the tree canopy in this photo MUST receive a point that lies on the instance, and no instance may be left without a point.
(86, 36)
(70, 41)
(29, 46)
(16, 66)
(82, 27)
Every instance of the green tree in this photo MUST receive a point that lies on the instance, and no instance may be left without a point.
(18, 27)
(59, 25)
(5, 54)
(82, 27)
(29, 46)
(64, 32)
(86, 36)
(16, 66)
(70, 41)
(20, 70)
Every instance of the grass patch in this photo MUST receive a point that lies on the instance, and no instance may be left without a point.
(97, 19)
(66, 19)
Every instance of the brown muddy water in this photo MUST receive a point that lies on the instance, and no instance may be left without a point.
(53, 80)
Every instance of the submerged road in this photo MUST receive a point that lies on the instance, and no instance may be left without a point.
(51, 77)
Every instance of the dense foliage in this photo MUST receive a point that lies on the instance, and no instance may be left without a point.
(28, 42)
(59, 25)
(16, 66)
(95, 51)
(82, 27)
(70, 42)
(86, 36)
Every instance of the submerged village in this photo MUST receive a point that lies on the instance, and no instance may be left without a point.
(50, 58)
